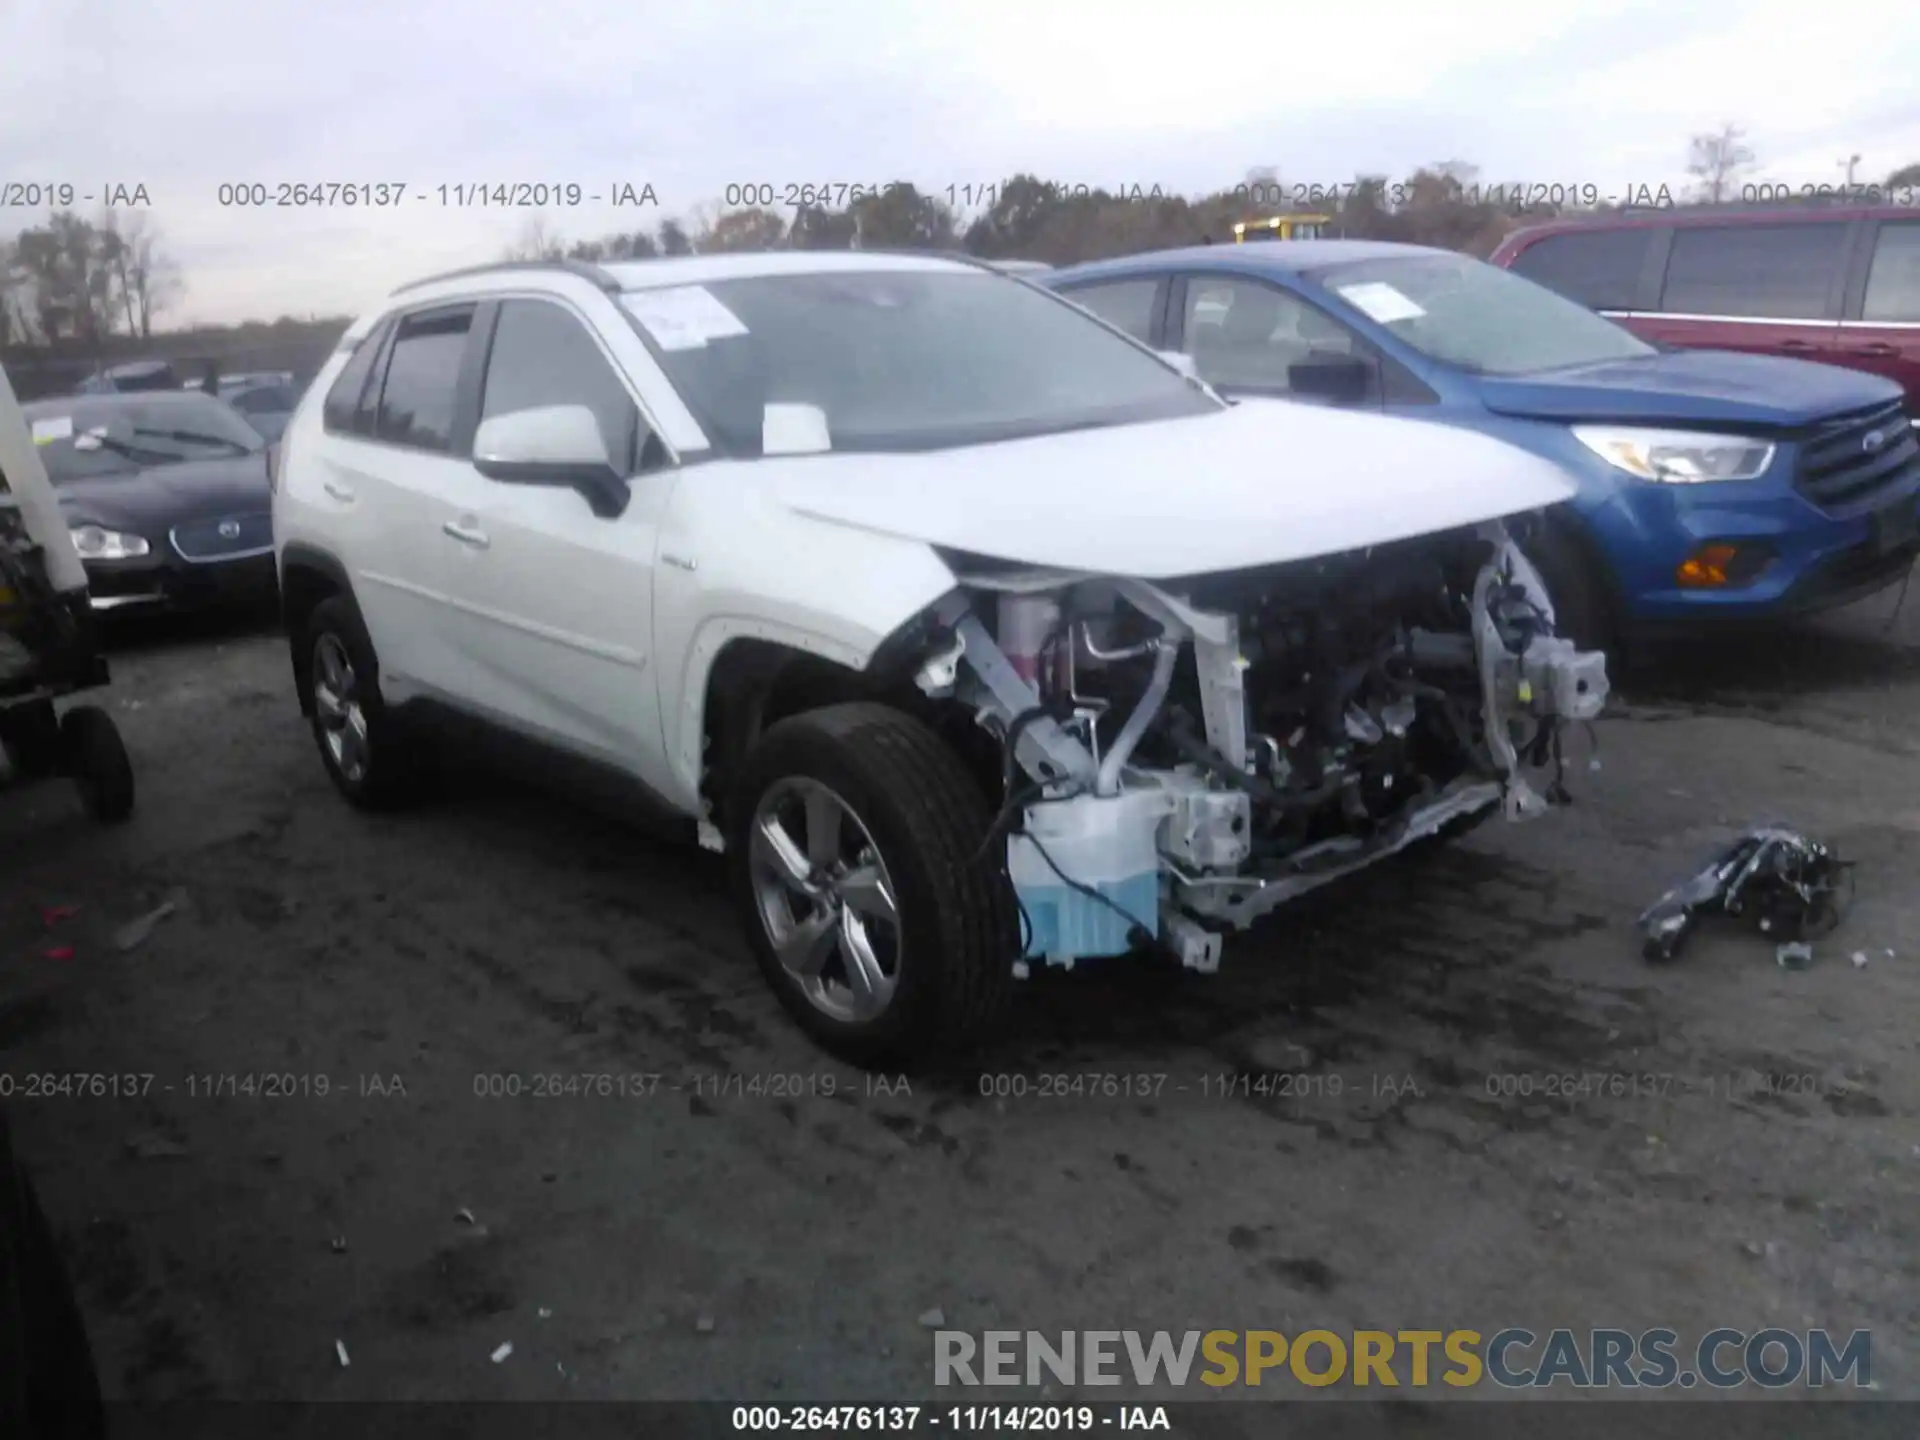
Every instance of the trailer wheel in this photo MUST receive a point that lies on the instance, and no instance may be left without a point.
(96, 761)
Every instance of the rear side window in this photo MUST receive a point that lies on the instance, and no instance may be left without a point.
(268, 400)
(1599, 268)
(1893, 284)
(1779, 272)
(1124, 304)
(344, 398)
(416, 399)
(543, 356)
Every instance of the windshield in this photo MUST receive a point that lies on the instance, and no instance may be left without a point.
(87, 437)
(1477, 316)
(900, 360)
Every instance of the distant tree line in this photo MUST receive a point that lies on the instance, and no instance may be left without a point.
(74, 282)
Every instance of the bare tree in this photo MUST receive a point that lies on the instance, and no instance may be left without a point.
(1906, 177)
(1715, 161)
(537, 242)
(148, 279)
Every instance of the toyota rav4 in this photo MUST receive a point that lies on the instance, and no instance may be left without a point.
(973, 632)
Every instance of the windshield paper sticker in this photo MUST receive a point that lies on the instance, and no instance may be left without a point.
(794, 430)
(59, 427)
(1380, 302)
(683, 318)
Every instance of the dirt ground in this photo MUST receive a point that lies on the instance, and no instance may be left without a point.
(706, 1237)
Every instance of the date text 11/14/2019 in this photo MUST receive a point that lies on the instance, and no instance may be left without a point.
(474, 195)
(932, 1419)
(201, 1085)
(64, 194)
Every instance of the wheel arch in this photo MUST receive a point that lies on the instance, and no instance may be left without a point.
(308, 576)
(754, 683)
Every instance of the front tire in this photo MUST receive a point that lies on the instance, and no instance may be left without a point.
(854, 843)
(359, 739)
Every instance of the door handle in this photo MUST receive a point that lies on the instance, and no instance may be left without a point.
(342, 493)
(1878, 349)
(1797, 345)
(466, 535)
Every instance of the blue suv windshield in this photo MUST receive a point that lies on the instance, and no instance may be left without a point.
(1476, 316)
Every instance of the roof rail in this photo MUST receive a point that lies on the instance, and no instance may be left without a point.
(1866, 197)
(586, 271)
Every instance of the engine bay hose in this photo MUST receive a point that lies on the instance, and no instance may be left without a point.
(1107, 782)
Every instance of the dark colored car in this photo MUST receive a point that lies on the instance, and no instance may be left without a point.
(135, 376)
(265, 400)
(1711, 486)
(167, 496)
(1829, 283)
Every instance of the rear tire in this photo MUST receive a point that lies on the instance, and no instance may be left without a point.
(909, 816)
(361, 743)
(96, 760)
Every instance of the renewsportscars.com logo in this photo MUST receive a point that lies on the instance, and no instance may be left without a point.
(1514, 1359)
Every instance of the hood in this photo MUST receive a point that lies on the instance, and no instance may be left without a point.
(1228, 490)
(1707, 387)
(150, 502)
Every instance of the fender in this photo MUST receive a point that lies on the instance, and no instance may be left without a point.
(735, 562)
(297, 558)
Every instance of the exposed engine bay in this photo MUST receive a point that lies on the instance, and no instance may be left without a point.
(1182, 757)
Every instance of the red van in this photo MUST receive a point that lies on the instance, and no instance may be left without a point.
(1834, 283)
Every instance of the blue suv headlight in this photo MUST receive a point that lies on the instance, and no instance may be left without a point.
(1677, 457)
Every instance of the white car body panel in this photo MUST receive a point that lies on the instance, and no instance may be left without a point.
(737, 563)
(27, 483)
(1251, 485)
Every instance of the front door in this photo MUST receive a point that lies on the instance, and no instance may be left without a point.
(550, 607)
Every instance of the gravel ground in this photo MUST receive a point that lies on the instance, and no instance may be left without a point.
(736, 1234)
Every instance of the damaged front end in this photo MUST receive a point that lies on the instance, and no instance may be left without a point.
(1182, 757)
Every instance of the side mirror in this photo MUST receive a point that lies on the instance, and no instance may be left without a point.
(552, 445)
(1340, 380)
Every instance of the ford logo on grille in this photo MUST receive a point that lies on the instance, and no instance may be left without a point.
(1869, 442)
(230, 529)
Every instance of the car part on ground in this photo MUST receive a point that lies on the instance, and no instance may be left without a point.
(1784, 883)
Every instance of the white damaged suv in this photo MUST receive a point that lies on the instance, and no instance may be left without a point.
(976, 635)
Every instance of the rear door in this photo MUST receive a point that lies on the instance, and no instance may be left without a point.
(1769, 288)
(386, 482)
(1881, 331)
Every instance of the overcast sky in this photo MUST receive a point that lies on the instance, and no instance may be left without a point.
(694, 96)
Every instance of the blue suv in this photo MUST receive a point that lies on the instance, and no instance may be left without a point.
(1711, 484)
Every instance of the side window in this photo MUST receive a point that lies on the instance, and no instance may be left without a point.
(267, 400)
(416, 399)
(1597, 268)
(542, 355)
(1893, 284)
(1125, 304)
(1247, 336)
(344, 398)
(1762, 271)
